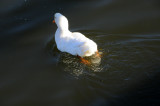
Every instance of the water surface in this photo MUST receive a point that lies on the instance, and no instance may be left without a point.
(35, 73)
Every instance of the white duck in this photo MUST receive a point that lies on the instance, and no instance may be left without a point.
(74, 43)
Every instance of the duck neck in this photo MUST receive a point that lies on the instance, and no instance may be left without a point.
(63, 26)
(64, 32)
(63, 29)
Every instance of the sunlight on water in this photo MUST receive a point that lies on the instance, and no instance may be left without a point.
(72, 64)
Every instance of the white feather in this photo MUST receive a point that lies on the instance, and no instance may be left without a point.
(74, 43)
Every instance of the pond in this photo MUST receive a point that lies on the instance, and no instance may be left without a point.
(35, 73)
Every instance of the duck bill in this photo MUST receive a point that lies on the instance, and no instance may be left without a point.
(53, 21)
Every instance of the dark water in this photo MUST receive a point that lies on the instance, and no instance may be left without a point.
(34, 73)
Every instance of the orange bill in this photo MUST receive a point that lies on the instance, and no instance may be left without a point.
(53, 21)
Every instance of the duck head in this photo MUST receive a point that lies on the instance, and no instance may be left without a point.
(61, 21)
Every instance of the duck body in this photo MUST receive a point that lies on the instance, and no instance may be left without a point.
(74, 43)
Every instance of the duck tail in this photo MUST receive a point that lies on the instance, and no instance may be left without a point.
(87, 49)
